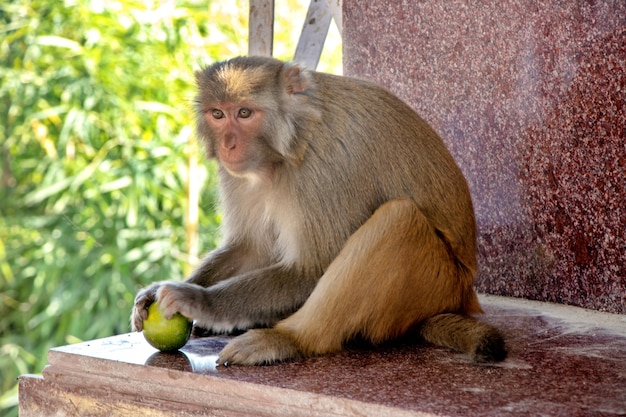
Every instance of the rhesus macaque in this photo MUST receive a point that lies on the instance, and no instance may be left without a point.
(344, 217)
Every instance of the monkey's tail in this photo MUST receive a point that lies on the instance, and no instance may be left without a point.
(482, 342)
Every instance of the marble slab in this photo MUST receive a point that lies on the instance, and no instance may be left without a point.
(563, 361)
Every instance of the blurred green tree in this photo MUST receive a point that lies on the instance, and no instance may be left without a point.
(99, 166)
(96, 138)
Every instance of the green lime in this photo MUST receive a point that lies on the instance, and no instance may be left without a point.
(165, 335)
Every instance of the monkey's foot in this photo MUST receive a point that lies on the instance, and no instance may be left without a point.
(259, 347)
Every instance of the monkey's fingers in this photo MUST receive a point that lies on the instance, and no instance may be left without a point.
(137, 317)
(143, 300)
(180, 297)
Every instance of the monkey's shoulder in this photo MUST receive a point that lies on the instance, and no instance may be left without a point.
(341, 82)
(356, 92)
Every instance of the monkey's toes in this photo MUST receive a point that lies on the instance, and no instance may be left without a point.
(259, 347)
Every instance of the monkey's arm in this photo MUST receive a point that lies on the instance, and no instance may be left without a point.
(220, 296)
(258, 297)
(220, 264)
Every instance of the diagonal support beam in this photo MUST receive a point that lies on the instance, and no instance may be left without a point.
(312, 37)
(313, 34)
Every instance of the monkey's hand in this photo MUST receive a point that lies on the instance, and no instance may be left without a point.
(174, 297)
(143, 300)
(190, 300)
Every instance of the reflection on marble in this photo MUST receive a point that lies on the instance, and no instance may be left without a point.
(563, 361)
(171, 360)
(531, 100)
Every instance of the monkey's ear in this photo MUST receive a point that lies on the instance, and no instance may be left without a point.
(296, 79)
(200, 80)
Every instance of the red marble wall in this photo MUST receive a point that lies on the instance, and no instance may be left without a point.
(530, 97)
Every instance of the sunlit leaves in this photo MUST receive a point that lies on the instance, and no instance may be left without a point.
(95, 119)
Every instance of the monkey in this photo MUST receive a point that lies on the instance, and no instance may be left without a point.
(345, 217)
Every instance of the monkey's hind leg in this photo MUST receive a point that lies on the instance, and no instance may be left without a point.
(393, 272)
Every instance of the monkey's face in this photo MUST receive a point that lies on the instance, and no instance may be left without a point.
(238, 140)
(251, 114)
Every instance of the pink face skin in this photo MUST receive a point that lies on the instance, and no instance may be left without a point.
(236, 126)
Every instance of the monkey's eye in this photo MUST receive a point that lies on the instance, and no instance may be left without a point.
(245, 112)
(217, 114)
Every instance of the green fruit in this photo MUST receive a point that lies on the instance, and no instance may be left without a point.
(165, 335)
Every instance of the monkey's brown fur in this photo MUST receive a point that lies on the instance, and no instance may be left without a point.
(344, 216)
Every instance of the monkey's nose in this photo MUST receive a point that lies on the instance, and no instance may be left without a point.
(229, 142)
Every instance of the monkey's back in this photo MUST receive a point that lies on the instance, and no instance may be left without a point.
(376, 148)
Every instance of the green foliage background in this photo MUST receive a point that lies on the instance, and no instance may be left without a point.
(96, 140)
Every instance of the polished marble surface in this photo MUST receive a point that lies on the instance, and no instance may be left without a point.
(563, 361)
(531, 100)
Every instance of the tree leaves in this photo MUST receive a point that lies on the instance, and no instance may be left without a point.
(94, 116)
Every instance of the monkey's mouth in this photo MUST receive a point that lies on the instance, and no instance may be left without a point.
(233, 160)
(235, 166)
(256, 173)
